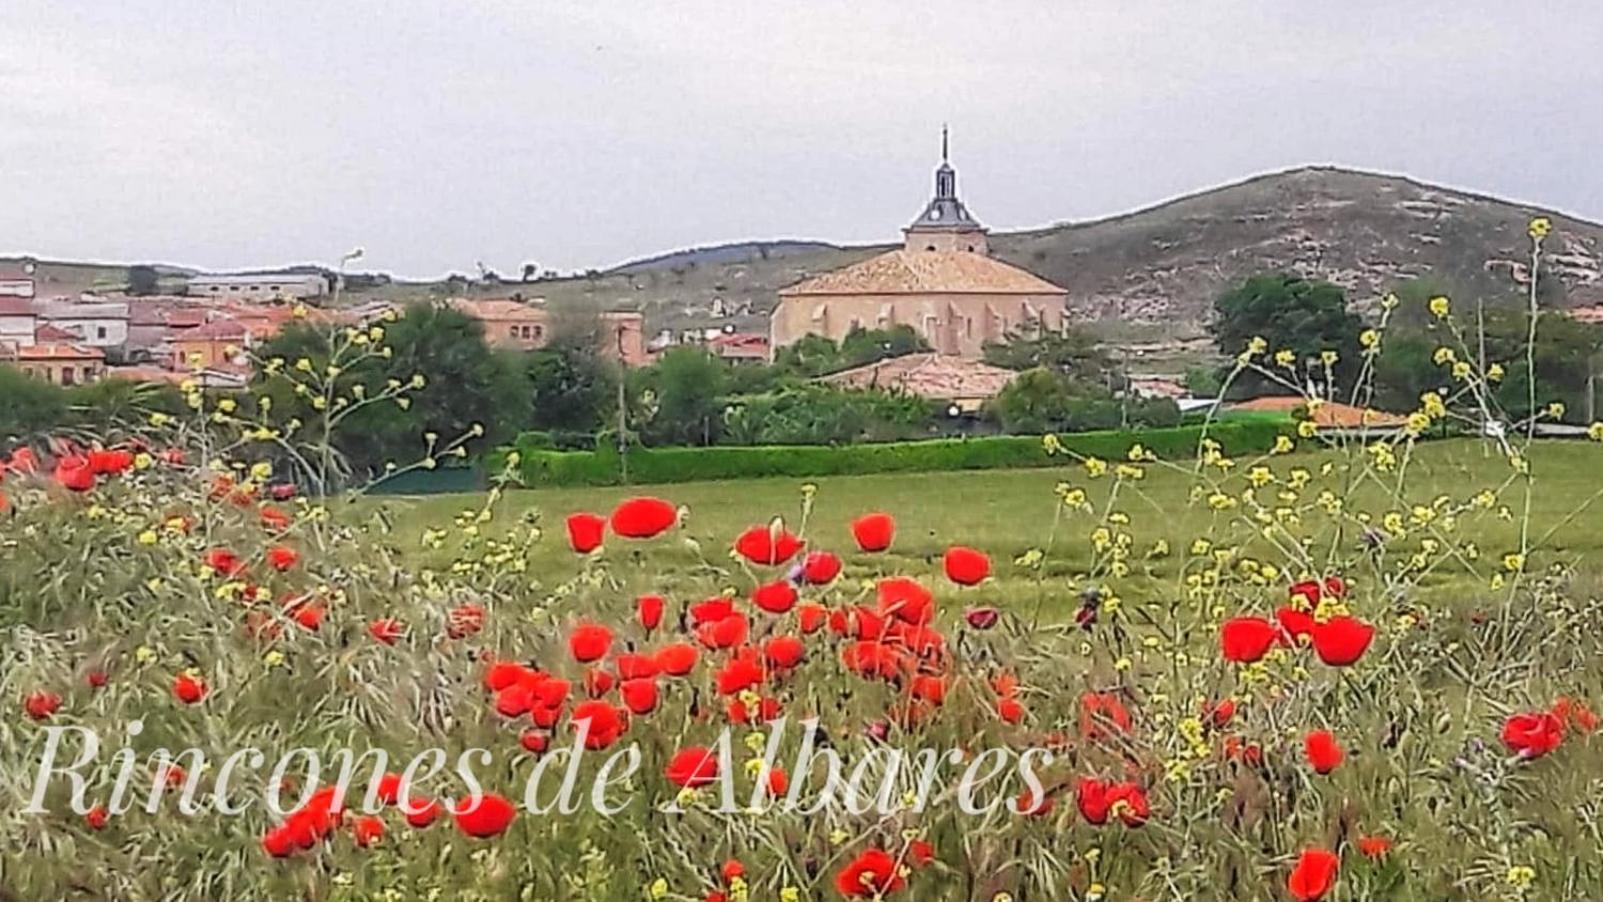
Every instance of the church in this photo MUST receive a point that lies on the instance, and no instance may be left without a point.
(942, 282)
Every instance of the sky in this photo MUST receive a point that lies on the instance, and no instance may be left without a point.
(441, 135)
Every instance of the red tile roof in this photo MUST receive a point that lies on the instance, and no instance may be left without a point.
(1330, 413)
(58, 352)
(925, 272)
(940, 377)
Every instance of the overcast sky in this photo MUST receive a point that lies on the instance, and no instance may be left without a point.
(439, 134)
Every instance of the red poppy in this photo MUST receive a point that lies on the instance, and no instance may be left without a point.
(1294, 624)
(282, 558)
(308, 614)
(589, 642)
(1010, 709)
(97, 818)
(966, 566)
(488, 815)
(811, 616)
(274, 519)
(1220, 715)
(1246, 639)
(905, 598)
(776, 597)
(874, 532)
(1341, 641)
(1102, 714)
(784, 651)
(982, 618)
(726, 633)
(1533, 735)
(778, 782)
(1374, 847)
(533, 741)
(635, 667)
(648, 608)
(606, 723)
(1313, 876)
(1308, 590)
(677, 659)
(112, 462)
(1091, 796)
(464, 620)
(768, 545)
(1575, 713)
(740, 673)
(189, 688)
(820, 568)
(1032, 805)
(420, 813)
(929, 688)
(224, 561)
(920, 852)
(584, 531)
(74, 473)
(643, 518)
(1335, 587)
(367, 831)
(711, 610)
(96, 678)
(386, 630)
(598, 682)
(870, 659)
(692, 767)
(41, 704)
(639, 695)
(765, 710)
(873, 873)
(1323, 751)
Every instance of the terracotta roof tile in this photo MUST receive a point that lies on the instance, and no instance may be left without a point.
(940, 377)
(925, 272)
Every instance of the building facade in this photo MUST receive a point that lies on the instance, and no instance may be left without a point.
(267, 287)
(942, 282)
(58, 364)
(97, 324)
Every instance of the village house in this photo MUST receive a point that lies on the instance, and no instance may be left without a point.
(59, 363)
(527, 325)
(101, 325)
(942, 282)
(964, 383)
(18, 321)
(260, 287)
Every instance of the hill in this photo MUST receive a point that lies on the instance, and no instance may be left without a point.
(1147, 275)
(1154, 273)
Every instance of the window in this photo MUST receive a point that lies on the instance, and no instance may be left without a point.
(539, 331)
(514, 332)
(929, 247)
(100, 331)
(88, 374)
(66, 375)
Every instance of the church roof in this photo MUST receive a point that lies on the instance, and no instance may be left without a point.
(925, 272)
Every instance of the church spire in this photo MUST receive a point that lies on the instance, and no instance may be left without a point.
(945, 175)
(945, 223)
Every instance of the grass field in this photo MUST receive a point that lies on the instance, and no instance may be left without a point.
(1011, 512)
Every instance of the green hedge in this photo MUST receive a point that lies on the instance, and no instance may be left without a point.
(541, 467)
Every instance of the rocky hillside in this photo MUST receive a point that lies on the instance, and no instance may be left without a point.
(1155, 272)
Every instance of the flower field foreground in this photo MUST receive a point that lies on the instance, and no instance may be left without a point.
(1351, 668)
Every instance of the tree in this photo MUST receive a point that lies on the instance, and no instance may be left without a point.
(1072, 353)
(864, 346)
(464, 383)
(684, 398)
(142, 280)
(1290, 313)
(571, 388)
(530, 270)
(29, 407)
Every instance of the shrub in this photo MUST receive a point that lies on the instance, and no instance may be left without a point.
(539, 466)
